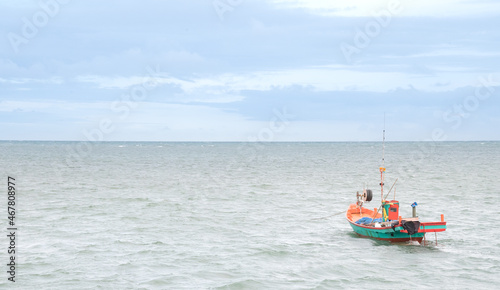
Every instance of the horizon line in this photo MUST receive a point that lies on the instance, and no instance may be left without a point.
(221, 141)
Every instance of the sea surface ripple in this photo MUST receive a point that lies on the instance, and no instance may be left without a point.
(153, 215)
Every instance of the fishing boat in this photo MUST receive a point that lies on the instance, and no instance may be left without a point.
(384, 222)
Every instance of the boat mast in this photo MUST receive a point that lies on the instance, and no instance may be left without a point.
(382, 168)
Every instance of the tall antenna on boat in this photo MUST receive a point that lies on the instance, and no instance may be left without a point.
(382, 168)
(383, 144)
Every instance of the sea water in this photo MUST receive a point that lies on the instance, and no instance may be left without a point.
(152, 215)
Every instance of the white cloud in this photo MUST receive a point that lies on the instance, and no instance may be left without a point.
(456, 52)
(110, 82)
(179, 122)
(226, 88)
(366, 8)
(22, 81)
(338, 78)
(269, 50)
(49, 106)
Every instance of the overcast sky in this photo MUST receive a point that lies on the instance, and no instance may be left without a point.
(249, 70)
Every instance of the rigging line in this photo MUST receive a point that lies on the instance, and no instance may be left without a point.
(386, 197)
(329, 216)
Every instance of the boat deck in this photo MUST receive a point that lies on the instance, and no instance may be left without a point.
(354, 213)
